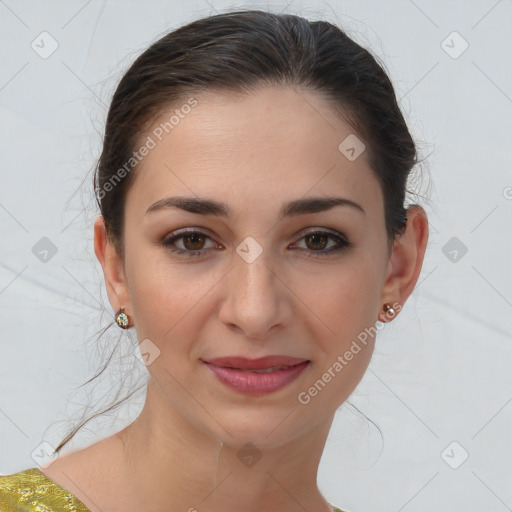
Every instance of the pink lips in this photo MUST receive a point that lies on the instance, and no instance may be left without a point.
(235, 372)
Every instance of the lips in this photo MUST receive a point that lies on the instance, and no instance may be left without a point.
(262, 364)
(257, 377)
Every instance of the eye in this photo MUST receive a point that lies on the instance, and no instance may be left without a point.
(193, 243)
(316, 241)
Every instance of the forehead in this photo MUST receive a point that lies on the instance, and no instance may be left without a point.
(277, 143)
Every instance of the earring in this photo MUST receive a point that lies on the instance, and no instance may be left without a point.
(388, 310)
(122, 319)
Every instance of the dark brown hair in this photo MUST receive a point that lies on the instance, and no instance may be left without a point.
(239, 52)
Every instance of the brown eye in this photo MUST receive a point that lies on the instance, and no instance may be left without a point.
(318, 241)
(191, 240)
(197, 241)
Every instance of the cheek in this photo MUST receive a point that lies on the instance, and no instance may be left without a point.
(346, 301)
(167, 298)
(346, 309)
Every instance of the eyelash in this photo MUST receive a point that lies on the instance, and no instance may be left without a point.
(168, 242)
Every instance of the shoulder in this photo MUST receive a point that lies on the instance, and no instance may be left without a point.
(31, 490)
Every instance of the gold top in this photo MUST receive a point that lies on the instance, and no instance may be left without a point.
(32, 491)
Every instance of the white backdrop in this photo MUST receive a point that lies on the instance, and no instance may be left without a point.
(439, 385)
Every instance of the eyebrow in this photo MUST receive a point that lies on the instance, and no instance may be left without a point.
(205, 206)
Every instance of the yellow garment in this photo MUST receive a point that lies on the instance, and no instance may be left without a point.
(31, 491)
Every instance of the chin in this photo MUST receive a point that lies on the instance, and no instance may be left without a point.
(264, 428)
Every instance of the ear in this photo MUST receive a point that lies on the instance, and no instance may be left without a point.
(113, 268)
(406, 260)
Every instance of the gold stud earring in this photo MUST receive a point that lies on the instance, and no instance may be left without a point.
(122, 319)
(389, 312)
(387, 308)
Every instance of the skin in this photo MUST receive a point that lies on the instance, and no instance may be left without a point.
(253, 152)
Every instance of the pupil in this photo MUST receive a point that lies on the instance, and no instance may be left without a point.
(195, 236)
(316, 237)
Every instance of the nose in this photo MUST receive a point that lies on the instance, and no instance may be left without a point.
(257, 303)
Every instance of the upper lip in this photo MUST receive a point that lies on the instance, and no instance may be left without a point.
(255, 364)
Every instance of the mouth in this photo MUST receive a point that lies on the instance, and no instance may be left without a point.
(261, 363)
(263, 370)
(257, 376)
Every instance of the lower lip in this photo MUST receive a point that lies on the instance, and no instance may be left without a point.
(251, 383)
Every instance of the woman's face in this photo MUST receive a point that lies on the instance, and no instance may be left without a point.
(253, 283)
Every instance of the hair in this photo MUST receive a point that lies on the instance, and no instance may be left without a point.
(239, 52)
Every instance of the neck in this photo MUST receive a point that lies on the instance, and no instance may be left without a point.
(173, 465)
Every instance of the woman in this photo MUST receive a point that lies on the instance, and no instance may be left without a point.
(253, 233)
